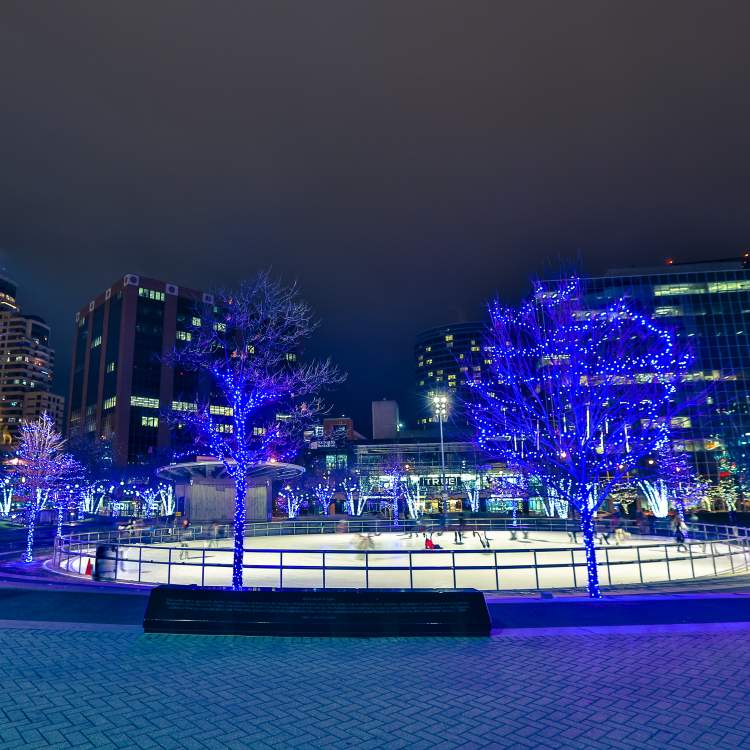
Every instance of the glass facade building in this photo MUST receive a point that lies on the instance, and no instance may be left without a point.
(708, 306)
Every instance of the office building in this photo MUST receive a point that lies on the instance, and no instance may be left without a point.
(708, 305)
(26, 368)
(121, 388)
(446, 358)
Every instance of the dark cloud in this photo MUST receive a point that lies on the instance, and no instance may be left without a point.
(404, 161)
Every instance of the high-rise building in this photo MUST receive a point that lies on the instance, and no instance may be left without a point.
(446, 358)
(26, 368)
(708, 305)
(121, 387)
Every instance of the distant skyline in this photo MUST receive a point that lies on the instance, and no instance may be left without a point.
(404, 162)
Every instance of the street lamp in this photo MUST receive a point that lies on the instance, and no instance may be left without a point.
(440, 406)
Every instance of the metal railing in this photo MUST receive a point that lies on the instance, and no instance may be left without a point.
(175, 555)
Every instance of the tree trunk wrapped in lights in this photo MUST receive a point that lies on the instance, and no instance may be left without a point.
(246, 343)
(577, 398)
(43, 467)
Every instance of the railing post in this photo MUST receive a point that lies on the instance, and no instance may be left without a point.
(367, 569)
(497, 573)
(692, 564)
(536, 571)
(606, 559)
(203, 568)
(140, 562)
(411, 571)
(713, 556)
(573, 565)
(324, 570)
(666, 555)
(453, 562)
(640, 570)
(169, 565)
(281, 569)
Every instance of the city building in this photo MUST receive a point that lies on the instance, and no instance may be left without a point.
(26, 368)
(708, 305)
(385, 419)
(446, 358)
(329, 446)
(467, 471)
(121, 388)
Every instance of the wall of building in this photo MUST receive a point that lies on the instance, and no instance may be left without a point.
(26, 368)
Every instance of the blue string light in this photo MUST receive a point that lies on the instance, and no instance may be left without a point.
(576, 397)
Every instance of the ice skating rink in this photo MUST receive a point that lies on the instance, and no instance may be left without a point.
(545, 559)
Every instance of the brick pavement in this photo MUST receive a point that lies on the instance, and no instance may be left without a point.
(63, 686)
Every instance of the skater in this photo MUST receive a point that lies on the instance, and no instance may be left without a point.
(605, 531)
(679, 535)
(458, 532)
(573, 536)
(484, 540)
(429, 544)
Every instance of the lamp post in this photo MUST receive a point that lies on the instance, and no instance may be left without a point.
(440, 405)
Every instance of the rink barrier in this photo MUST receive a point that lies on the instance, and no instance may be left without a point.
(720, 544)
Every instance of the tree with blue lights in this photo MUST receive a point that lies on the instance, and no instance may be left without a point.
(259, 396)
(578, 398)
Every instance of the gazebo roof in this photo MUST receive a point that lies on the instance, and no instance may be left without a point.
(213, 469)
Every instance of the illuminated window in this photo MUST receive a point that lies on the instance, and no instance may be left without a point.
(259, 430)
(149, 421)
(110, 403)
(145, 402)
(667, 290)
(475, 348)
(184, 336)
(196, 321)
(224, 428)
(110, 366)
(728, 286)
(221, 327)
(667, 312)
(225, 411)
(291, 357)
(150, 294)
(184, 406)
(96, 342)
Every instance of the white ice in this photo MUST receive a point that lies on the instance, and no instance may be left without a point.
(544, 560)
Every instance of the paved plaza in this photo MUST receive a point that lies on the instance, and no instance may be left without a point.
(107, 686)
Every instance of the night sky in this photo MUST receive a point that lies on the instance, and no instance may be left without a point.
(403, 160)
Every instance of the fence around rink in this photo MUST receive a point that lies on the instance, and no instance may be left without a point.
(158, 555)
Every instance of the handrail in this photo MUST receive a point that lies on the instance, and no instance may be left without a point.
(733, 542)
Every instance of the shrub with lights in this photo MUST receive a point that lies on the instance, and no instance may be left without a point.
(578, 398)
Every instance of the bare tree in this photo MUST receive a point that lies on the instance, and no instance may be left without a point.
(43, 467)
(247, 343)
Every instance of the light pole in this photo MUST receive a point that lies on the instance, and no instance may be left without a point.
(440, 405)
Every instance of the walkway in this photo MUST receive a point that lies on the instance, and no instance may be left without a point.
(113, 687)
